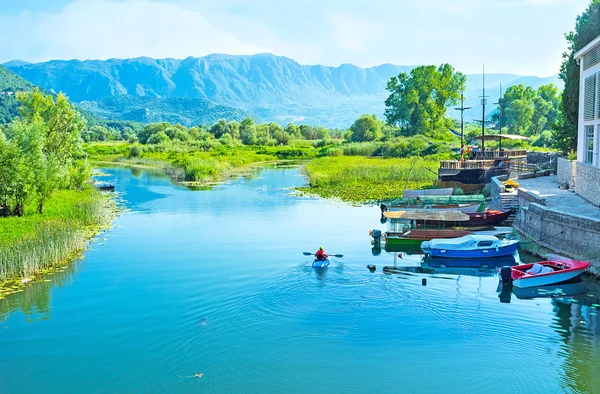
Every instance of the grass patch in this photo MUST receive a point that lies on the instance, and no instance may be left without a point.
(34, 243)
(362, 179)
(189, 163)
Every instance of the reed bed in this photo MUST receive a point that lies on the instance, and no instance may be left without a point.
(361, 180)
(35, 243)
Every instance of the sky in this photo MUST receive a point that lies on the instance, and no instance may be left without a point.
(510, 36)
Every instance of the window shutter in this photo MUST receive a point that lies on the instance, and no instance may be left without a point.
(589, 98)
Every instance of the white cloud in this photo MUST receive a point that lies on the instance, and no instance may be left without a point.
(350, 33)
(101, 29)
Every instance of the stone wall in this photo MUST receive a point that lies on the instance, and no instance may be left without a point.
(565, 173)
(572, 235)
(587, 182)
(525, 198)
(546, 159)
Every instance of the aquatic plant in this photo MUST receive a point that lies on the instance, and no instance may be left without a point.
(34, 243)
(361, 179)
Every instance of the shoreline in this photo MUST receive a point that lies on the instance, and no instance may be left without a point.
(69, 243)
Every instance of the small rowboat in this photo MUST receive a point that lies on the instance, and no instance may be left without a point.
(321, 263)
(546, 272)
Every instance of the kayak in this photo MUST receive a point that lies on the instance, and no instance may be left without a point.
(321, 263)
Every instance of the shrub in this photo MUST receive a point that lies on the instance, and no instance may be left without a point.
(135, 151)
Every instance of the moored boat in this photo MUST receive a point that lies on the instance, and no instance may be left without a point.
(415, 237)
(471, 246)
(545, 273)
(404, 230)
(465, 208)
(487, 218)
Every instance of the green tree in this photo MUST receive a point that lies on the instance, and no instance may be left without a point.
(219, 128)
(541, 113)
(249, 135)
(293, 131)
(518, 115)
(418, 101)
(366, 128)
(61, 121)
(587, 28)
(159, 138)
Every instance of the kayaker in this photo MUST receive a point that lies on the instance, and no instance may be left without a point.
(321, 255)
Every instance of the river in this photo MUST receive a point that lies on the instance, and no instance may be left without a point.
(215, 283)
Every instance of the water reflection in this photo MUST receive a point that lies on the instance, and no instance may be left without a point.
(35, 301)
(578, 325)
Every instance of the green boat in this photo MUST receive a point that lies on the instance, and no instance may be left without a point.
(405, 232)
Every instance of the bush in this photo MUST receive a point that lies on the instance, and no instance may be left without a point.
(135, 151)
(199, 170)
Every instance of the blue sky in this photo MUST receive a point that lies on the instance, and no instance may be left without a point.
(510, 36)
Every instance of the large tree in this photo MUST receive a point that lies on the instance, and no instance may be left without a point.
(366, 128)
(418, 101)
(587, 28)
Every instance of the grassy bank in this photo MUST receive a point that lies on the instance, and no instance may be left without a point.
(34, 243)
(188, 163)
(361, 179)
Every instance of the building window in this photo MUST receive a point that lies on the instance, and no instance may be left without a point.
(589, 144)
(589, 98)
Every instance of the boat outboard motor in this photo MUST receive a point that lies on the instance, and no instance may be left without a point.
(506, 274)
(383, 208)
(376, 234)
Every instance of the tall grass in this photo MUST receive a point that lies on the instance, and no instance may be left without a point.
(361, 179)
(35, 242)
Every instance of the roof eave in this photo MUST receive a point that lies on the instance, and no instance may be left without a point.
(583, 51)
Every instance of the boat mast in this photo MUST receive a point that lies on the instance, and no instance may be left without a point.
(500, 103)
(462, 109)
(483, 102)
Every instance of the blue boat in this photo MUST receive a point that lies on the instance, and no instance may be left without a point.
(321, 263)
(470, 247)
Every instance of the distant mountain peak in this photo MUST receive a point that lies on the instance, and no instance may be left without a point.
(272, 87)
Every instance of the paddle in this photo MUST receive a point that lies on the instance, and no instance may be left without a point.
(339, 256)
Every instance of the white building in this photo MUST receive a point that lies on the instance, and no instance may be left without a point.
(583, 175)
(588, 137)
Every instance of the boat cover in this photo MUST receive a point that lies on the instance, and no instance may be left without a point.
(539, 269)
(468, 242)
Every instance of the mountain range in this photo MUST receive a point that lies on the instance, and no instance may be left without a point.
(269, 87)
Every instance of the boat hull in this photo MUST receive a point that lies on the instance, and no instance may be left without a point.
(502, 251)
(321, 263)
(475, 219)
(416, 237)
(563, 271)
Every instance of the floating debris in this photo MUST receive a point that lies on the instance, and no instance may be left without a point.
(196, 376)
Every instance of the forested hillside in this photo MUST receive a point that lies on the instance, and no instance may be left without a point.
(10, 83)
(270, 87)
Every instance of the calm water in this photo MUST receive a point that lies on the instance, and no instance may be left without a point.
(214, 282)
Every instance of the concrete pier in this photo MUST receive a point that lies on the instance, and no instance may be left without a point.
(559, 219)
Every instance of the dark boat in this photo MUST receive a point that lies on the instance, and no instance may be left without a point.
(469, 176)
(105, 187)
(487, 218)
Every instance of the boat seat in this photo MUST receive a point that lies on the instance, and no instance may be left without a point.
(538, 269)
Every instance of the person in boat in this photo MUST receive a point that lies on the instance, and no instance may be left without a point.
(321, 255)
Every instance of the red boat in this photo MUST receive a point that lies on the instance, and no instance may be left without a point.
(544, 273)
(487, 218)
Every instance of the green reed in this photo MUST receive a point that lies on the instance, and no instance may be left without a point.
(35, 243)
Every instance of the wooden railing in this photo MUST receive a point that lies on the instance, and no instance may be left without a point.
(504, 154)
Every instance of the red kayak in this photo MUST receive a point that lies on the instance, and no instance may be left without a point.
(546, 272)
